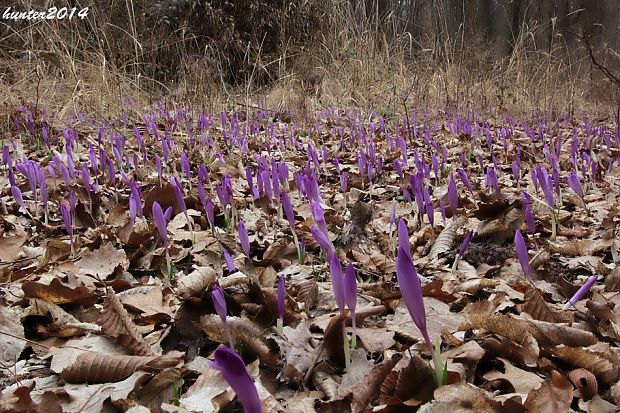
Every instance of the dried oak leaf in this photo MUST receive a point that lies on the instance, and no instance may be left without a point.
(196, 282)
(59, 293)
(60, 318)
(536, 306)
(103, 261)
(445, 239)
(20, 400)
(525, 352)
(554, 396)
(297, 351)
(358, 396)
(11, 347)
(585, 382)
(159, 389)
(612, 280)
(116, 323)
(545, 333)
(412, 385)
(242, 331)
(603, 364)
(90, 367)
(522, 381)
(460, 398)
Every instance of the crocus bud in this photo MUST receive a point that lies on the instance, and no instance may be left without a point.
(581, 292)
(453, 195)
(229, 261)
(573, 181)
(281, 301)
(465, 243)
(523, 256)
(337, 281)
(219, 302)
(243, 238)
(232, 367)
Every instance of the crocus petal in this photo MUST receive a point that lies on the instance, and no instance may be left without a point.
(160, 222)
(232, 367)
(243, 238)
(219, 302)
(281, 297)
(337, 281)
(287, 206)
(453, 195)
(324, 242)
(522, 255)
(581, 292)
(229, 261)
(403, 237)
(411, 291)
(465, 243)
(350, 287)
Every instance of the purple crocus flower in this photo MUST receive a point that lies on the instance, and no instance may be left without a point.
(403, 236)
(337, 281)
(411, 291)
(343, 182)
(67, 218)
(17, 195)
(573, 181)
(323, 240)
(219, 302)
(185, 166)
(319, 217)
(160, 219)
(581, 292)
(232, 367)
(453, 195)
(491, 181)
(428, 206)
(465, 243)
(229, 261)
(350, 296)
(526, 201)
(288, 210)
(243, 238)
(523, 256)
(281, 301)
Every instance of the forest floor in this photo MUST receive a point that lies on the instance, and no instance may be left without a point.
(107, 305)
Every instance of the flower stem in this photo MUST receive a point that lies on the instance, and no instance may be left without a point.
(345, 341)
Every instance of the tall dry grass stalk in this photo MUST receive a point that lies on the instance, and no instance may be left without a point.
(358, 59)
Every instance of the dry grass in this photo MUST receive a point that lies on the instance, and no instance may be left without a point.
(352, 63)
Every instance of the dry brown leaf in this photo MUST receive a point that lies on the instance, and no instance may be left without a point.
(159, 389)
(11, 347)
(612, 280)
(357, 398)
(60, 318)
(59, 293)
(103, 261)
(536, 306)
(522, 381)
(92, 367)
(308, 293)
(11, 243)
(209, 393)
(116, 323)
(582, 247)
(444, 240)
(555, 395)
(460, 398)
(297, 351)
(604, 365)
(516, 328)
(20, 400)
(197, 281)
(55, 251)
(585, 382)
(243, 331)
(325, 383)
